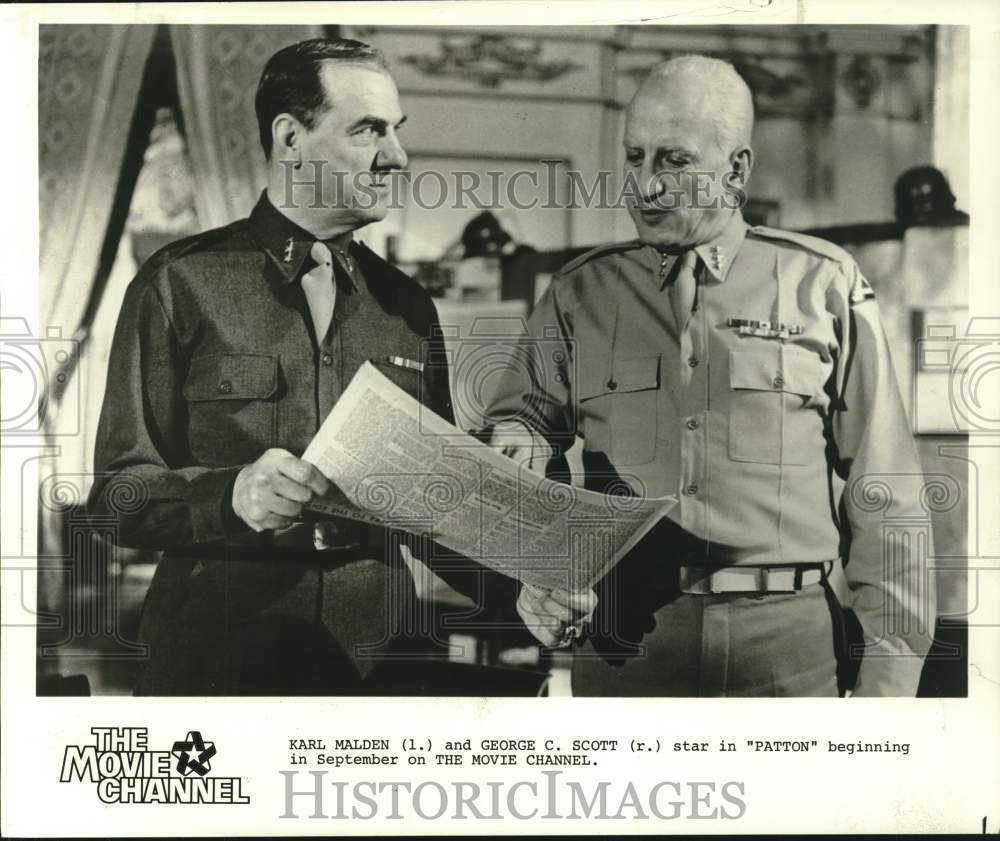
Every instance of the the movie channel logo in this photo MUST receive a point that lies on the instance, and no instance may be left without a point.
(127, 772)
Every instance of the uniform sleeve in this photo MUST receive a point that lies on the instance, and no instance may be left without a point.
(141, 475)
(891, 589)
(536, 387)
(435, 361)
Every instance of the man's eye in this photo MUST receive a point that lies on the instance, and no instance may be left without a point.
(365, 131)
(676, 163)
(635, 160)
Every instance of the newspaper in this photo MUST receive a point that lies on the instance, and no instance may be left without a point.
(398, 464)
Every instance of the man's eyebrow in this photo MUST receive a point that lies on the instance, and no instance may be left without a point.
(663, 148)
(376, 122)
(676, 150)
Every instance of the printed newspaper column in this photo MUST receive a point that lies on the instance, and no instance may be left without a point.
(397, 464)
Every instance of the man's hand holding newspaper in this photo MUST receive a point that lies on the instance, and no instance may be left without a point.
(556, 617)
(399, 465)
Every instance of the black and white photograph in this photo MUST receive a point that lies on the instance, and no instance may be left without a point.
(385, 372)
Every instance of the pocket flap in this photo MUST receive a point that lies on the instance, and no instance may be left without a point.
(776, 369)
(231, 376)
(618, 375)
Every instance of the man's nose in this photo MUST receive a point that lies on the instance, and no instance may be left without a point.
(391, 154)
(651, 183)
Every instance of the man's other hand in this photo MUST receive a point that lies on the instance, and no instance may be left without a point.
(271, 492)
(555, 617)
(515, 440)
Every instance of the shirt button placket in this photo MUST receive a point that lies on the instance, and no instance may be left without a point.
(326, 378)
(694, 406)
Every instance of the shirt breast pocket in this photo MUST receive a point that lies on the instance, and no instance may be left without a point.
(774, 405)
(232, 407)
(618, 400)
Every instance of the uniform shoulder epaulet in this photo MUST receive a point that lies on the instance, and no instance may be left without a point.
(860, 289)
(202, 242)
(819, 246)
(594, 254)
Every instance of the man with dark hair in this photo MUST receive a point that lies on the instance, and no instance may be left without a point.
(291, 82)
(232, 346)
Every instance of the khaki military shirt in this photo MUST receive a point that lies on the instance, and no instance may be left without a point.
(759, 413)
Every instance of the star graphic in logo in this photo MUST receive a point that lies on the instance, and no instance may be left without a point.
(203, 751)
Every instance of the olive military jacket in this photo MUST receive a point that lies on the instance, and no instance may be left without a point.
(214, 361)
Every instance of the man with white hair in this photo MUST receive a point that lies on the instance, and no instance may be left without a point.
(744, 370)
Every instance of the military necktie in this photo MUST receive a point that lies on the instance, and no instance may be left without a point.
(321, 291)
(684, 290)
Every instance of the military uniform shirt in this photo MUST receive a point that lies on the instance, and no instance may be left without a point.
(777, 391)
(215, 360)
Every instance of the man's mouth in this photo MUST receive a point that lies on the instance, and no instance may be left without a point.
(653, 214)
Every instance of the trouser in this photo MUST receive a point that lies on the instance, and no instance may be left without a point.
(258, 628)
(657, 641)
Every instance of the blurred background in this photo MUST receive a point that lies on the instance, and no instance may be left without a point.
(148, 134)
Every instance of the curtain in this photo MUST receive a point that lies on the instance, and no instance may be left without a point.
(88, 83)
(218, 68)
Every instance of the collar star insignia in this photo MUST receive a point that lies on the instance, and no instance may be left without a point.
(718, 254)
(289, 247)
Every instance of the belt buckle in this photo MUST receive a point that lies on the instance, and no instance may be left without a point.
(753, 581)
(766, 581)
(784, 579)
(324, 532)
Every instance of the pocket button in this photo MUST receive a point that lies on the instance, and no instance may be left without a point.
(225, 387)
(778, 381)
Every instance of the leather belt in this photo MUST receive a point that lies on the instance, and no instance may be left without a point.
(322, 543)
(325, 560)
(761, 580)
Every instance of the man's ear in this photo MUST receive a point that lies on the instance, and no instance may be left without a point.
(285, 134)
(742, 163)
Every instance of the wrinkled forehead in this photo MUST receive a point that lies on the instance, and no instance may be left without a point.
(353, 88)
(666, 111)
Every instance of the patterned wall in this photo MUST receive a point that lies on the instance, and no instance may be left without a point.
(88, 80)
(842, 110)
(218, 68)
